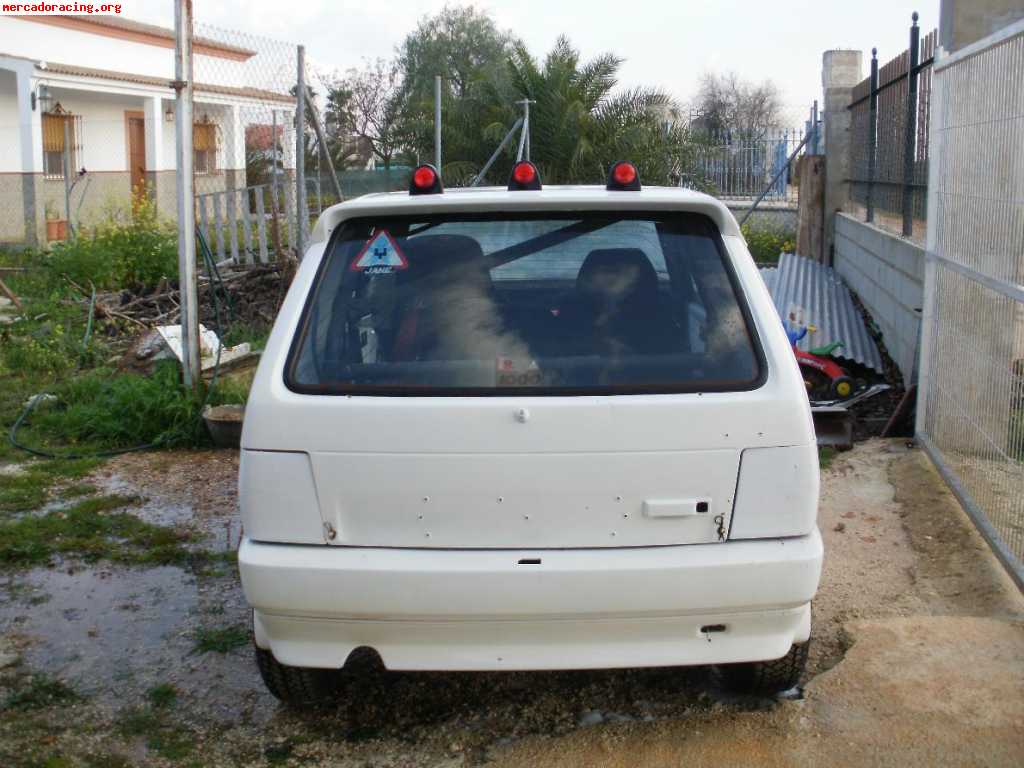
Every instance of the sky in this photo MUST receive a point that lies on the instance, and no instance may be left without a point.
(665, 43)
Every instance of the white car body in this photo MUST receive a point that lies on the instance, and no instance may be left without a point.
(530, 532)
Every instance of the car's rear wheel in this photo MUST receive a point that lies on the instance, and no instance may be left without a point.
(765, 677)
(299, 686)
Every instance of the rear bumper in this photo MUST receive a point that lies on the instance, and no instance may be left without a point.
(485, 610)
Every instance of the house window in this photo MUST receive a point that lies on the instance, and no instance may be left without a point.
(204, 147)
(54, 136)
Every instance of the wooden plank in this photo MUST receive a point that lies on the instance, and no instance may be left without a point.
(261, 224)
(232, 203)
(246, 225)
(218, 221)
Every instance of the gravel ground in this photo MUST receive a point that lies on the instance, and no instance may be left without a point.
(918, 657)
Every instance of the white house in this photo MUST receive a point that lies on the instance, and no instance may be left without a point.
(95, 92)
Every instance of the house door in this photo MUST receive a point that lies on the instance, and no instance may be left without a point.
(137, 151)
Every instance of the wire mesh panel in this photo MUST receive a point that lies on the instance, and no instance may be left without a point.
(972, 414)
(244, 144)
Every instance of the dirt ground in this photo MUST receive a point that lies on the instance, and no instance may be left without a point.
(918, 657)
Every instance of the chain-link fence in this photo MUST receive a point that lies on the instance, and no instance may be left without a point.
(244, 144)
(889, 139)
(755, 171)
(971, 406)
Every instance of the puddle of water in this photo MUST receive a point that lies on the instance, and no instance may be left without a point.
(116, 632)
(218, 532)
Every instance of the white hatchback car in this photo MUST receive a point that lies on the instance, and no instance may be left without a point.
(523, 429)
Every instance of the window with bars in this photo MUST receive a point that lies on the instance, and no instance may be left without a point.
(62, 132)
(204, 147)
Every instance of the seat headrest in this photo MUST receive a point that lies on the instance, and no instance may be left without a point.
(617, 262)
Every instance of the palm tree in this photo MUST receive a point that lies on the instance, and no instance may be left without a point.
(579, 126)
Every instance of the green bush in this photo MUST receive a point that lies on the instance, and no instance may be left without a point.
(120, 252)
(767, 244)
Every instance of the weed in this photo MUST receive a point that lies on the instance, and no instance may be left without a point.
(825, 457)
(220, 639)
(41, 692)
(255, 335)
(120, 251)
(162, 696)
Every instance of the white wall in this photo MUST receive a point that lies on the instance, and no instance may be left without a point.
(61, 45)
(10, 144)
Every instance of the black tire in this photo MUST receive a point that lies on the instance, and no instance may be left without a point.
(299, 687)
(764, 678)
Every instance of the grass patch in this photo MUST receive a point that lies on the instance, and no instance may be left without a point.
(28, 489)
(825, 457)
(77, 490)
(220, 639)
(238, 333)
(91, 530)
(41, 691)
(162, 696)
(168, 740)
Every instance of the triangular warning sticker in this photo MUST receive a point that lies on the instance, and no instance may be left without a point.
(381, 254)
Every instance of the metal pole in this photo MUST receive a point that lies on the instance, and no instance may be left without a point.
(301, 211)
(487, 166)
(911, 129)
(775, 178)
(67, 174)
(526, 127)
(524, 138)
(322, 141)
(437, 122)
(872, 134)
(186, 201)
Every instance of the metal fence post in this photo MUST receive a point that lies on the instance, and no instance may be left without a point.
(910, 129)
(186, 201)
(67, 175)
(437, 122)
(872, 135)
(300, 157)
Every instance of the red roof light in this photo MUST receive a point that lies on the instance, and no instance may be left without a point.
(624, 173)
(524, 173)
(424, 177)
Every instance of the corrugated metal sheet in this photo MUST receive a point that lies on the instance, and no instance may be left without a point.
(808, 293)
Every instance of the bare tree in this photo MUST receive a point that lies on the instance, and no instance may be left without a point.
(367, 103)
(730, 105)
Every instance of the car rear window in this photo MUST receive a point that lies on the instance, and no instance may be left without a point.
(493, 304)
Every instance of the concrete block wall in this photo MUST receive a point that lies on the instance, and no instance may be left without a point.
(887, 274)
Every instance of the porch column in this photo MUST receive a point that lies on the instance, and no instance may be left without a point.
(159, 177)
(234, 148)
(30, 139)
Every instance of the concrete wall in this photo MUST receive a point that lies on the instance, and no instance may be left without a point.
(887, 274)
(840, 71)
(962, 22)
